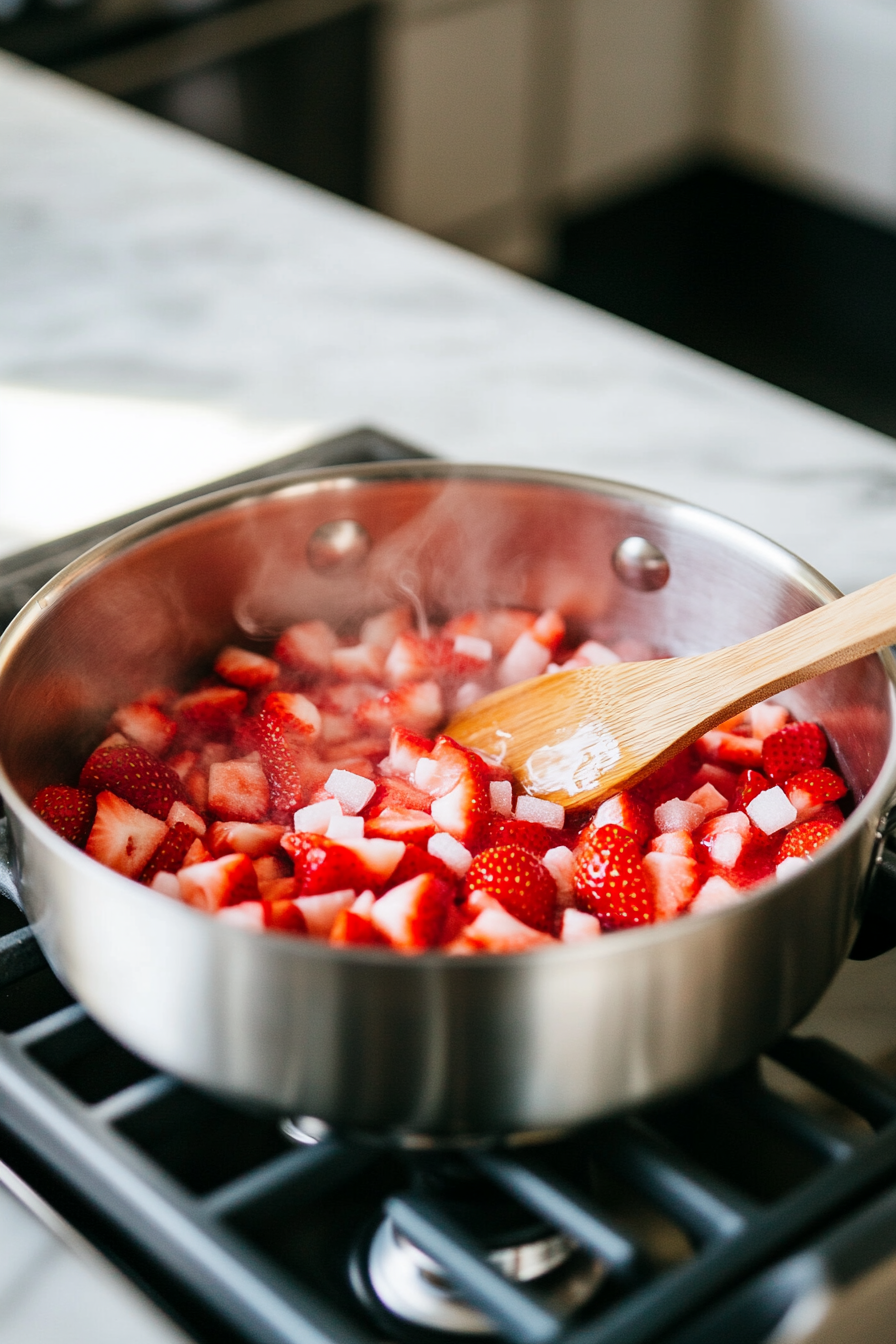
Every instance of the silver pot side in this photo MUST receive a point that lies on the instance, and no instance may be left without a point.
(437, 1045)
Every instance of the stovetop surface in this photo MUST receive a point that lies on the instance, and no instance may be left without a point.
(720, 1214)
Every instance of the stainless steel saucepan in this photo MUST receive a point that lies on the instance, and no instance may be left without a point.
(434, 1045)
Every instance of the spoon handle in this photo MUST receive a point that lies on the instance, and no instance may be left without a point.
(827, 637)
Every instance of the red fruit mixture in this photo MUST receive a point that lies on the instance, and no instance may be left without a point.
(301, 792)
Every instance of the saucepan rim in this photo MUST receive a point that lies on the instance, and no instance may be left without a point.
(876, 801)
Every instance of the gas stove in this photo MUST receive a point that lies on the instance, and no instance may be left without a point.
(734, 1212)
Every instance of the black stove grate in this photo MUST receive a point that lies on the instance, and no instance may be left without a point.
(713, 1215)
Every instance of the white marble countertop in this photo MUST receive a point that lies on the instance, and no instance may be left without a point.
(170, 311)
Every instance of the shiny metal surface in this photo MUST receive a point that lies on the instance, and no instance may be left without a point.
(641, 565)
(430, 1045)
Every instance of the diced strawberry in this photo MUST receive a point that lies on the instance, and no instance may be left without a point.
(400, 823)
(719, 776)
(197, 853)
(411, 658)
(720, 841)
(749, 784)
(170, 855)
(243, 668)
(628, 811)
(501, 627)
(792, 750)
(766, 719)
(417, 860)
(359, 660)
(519, 880)
(160, 697)
(710, 801)
(673, 880)
(306, 647)
(805, 838)
(465, 811)
(122, 836)
(134, 775)
(284, 915)
(378, 858)
(673, 842)
(212, 710)
(394, 792)
(371, 750)
(196, 788)
(610, 882)
(69, 812)
(225, 881)
(238, 791)
(729, 748)
(549, 629)
(809, 791)
(831, 814)
(281, 767)
(322, 910)
(183, 763)
(384, 628)
(417, 705)
(270, 867)
(527, 658)
(494, 929)
(411, 916)
(405, 750)
(244, 837)
(147, 726)
(182, 814)
(529, 835)
(577, 927)
(299, 715)
(277, 888)
(323, 865)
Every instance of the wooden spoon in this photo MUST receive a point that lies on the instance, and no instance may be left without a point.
(575, 737)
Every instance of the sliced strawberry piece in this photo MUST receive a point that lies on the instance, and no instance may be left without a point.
(212, 710)
(417, 860)
(183, 763)
(69, 812)
(501, 627)
(297, 712)
(494, 929)
(722, 778)
(243, 837)
(359, 660)
(831, 814)
(350, 927)
(225, 881)
(147, 726)
(766, 719)
(720, 841)
(123, 837)
(400, 823)
(242, 668)
(384, 628)
(808, 792)
(307, 646)
(625, 809)
(527, 658)
(465, 811)
(281, 767)
(610, 882)
(549, 629)
(417, 705)
(406, 749)
(749, 784)
(134, 775)
(445, 766)
(170, 855)
(673, 842)
(805, 838)
(793, 749)
(323, 865)
(519, 880)
(530, 835)
(238, 791)
(411, 917)
(284, 915)
(196, 787)
(730, 748)
(673, 880)
(378, 858)
(197, 853)
(182, 813)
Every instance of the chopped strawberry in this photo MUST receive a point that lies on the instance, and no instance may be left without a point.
(793, 749)
(721, 840)
(170, 855)
(749, 784)
(183, 814)
(147, 726)
(830, 813)
(378, 858)
(418, 705)
(69, 812)
(405, 750)
(384, 628)
(393, 792)
(417, 860)
(197, 853)
(519, 880)
(610, 882)
(625, 809)
(527, 658)
(134, 775)
(722, 778)
(501, 627)
(809, 791)
(122, 836)
(400, 823)
(323, 865)
(183, 763)
(355, 925)
(530, 835)
(299, 715)
(494, 929)
(411, 916)
(710, 801)
(465, 811)
(306, 647)
(281, 767)
(729, 748)
(196, 787)
(766, 719)
(275, 888)
(359, 660)
(242, 668)
(284, 915)
(805, 838)
(238, 791)
(212, 710)
(549, 629)
(244, 837)
(673, 842)
(225, 881)
(673, 880)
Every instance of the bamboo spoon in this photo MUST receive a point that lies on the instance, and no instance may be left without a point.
(575, 737)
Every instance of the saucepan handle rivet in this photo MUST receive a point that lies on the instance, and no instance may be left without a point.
(338, 546)
(640, 565)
